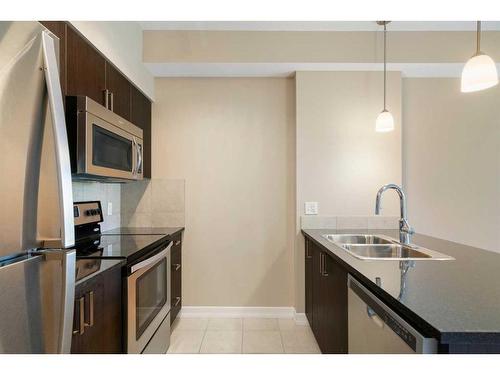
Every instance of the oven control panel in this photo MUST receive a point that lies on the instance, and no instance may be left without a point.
(87, 212)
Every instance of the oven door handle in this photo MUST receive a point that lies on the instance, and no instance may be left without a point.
(152, 260)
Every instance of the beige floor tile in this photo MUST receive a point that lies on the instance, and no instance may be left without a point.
(287, 324)
(186, 341)
(260, 324)
(299, 341)
(184, 324)
(225, 324)
(262, 342)
(219, 342)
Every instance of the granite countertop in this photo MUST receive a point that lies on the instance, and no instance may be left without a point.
(166, 231)
(86, 269)
(453, 300)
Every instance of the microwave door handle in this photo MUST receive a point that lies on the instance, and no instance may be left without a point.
(134, 162)
(60, 141)
(139, 156)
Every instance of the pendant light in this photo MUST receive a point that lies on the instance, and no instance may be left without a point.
(480, 72)
(385, 121)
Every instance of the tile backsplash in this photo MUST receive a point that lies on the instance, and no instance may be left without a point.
(349, 222)
(104, 192)
(155, 202)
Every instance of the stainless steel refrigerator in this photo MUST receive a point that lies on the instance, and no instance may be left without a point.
(37, 270)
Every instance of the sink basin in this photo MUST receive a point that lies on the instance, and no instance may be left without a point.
(391, 251)
(378, 247)
(359, 239)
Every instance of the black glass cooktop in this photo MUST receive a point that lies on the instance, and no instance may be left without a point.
(117, 247)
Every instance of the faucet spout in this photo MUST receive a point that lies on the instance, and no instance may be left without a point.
(404, 227)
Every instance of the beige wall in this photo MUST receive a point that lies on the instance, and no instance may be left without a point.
(452, 161)
(314, 46)
(341, 160)
(231, 140)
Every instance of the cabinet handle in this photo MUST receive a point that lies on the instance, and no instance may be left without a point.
(112, 101)
(177, 243)
(177, 301)
(106, 98)
(323, 265)
(308, 255)
(81, 318)
(177, 267)
(91, 310)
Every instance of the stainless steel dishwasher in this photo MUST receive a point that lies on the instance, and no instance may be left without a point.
(375, 328)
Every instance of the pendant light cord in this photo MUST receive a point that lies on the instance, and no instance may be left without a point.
(478, 38)
(385, 63)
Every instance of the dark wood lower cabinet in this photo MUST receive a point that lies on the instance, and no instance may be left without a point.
(326, 299)
(176, 277)
(97, 322)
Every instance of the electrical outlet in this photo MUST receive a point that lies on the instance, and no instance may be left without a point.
(110, 208)
(311, 208)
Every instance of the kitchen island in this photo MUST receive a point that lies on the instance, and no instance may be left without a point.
(444, 299)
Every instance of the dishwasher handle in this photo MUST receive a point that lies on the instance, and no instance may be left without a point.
(382, 314)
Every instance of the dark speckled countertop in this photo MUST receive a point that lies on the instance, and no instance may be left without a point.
(453, 300)
(166, 231)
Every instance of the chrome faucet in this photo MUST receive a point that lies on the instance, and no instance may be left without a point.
(405, 231)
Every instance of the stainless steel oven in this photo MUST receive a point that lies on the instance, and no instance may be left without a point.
(103, 145)
(148, 303)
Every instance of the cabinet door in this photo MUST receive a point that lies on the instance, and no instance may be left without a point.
(318, 298)
(308, 260)
(86, 68)
(335, 322)
(119, 91)
(58, 28)
(140, 115)
(102, 315)
(176, 277)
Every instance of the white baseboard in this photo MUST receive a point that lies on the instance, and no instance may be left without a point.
(242, 312)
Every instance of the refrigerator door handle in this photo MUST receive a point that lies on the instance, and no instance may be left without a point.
(60, 140)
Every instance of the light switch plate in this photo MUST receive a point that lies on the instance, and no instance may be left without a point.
(311, 208)
(110, 208)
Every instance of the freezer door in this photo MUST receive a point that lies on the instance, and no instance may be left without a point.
(36, 302)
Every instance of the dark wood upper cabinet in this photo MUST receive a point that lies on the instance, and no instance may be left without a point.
(85, 71)
(140, 115)
(119, 91)
(58, 28)
(86, 68)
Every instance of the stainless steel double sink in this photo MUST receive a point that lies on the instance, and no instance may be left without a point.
(380, 247)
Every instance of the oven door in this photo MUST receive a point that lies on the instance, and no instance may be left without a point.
(148, 286)
(105, 150)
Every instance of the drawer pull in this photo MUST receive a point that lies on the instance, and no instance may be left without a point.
(177, 243)
(323, 265)
(81, 318)
(308, 254)
(91, 310)
(177, 301)
(177, 267)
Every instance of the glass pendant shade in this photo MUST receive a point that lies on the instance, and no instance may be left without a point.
(385, 122)
(479, 73)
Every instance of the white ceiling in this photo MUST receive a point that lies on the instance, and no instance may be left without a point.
(318, 25)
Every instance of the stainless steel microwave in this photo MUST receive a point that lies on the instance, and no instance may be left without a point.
(103, 145)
